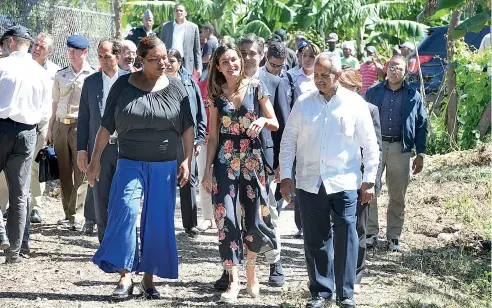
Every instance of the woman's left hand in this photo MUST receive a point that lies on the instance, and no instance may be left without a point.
(256, 127)
(184, 173)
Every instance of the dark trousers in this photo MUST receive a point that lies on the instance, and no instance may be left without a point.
(361, 226)
(102, 188)
(317, 212)
(187, 194)
(89, 210)
(18, 142)
(297, 213)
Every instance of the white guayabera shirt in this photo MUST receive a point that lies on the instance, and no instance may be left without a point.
(25, 89)
(326, 137)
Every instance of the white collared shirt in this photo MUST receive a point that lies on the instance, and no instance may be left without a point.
(178, 36)
(108, 82)
(326, 140)
(25, 89)
(304, 83)
(52, 68)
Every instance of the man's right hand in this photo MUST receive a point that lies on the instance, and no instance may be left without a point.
(82, 161)
(49, 137)
(287, 189)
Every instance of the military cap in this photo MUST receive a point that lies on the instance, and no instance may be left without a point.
(148, 15)
(78, 42)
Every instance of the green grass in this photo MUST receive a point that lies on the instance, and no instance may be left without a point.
(466, 173)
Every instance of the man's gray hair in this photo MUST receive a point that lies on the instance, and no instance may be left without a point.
(128, 44)
(334, 58)
(48, 38)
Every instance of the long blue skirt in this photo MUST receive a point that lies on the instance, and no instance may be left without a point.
(158, 254)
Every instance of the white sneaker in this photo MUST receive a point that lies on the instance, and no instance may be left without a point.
(371, 240)
(394, 245)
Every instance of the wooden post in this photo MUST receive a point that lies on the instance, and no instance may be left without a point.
(452, 110)
(117, 11)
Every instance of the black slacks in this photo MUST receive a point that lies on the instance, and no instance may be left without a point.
(187, 194)
(361, 226)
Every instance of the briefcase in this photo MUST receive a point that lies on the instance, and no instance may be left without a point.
(48, 165)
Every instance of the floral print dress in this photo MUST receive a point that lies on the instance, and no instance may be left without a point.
(239, 172)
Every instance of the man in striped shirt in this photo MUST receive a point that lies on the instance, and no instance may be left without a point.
(370, 70)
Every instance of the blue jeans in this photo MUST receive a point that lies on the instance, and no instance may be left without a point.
(325, 263)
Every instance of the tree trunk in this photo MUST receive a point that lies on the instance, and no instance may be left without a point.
(452, 110)
(484, 124)
(117, 11)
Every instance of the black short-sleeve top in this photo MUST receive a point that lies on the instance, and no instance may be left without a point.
(149, 124)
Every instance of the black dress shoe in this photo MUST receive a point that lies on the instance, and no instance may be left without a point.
(149, 293)
(4, 241)
(223, 282)
(6, 214)
(346, 302)
(316, 302)
(193, 232)
(122, 292)
(35, 217)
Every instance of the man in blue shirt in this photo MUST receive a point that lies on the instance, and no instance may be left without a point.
(403, 124)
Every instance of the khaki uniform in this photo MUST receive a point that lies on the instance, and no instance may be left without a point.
(67, 89)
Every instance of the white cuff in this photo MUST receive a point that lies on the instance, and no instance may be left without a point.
(286, 173)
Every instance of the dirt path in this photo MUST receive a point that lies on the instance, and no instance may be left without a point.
(60, 273)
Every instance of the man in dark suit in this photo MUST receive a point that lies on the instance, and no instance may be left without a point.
(92, 104)
(183, 36)
(362, 211)
(252, 52)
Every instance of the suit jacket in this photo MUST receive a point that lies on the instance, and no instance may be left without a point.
(377, 127)
(89, 112)
(278, 98)
(192, 54)
(196, 104)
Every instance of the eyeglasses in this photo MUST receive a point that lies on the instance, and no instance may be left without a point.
(395, 69)
(281, 66)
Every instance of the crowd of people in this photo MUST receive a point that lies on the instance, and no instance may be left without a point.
(258, 125)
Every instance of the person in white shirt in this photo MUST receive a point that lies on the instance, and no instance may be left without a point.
(92, 106)
(303, 75)
(25, 100)
(41, 50)
(325, 133)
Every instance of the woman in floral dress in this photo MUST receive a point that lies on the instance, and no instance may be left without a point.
(238, 170)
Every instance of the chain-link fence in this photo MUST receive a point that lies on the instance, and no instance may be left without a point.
(60, 22)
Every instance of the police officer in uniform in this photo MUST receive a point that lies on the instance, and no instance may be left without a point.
(138, 33)
(62, 130)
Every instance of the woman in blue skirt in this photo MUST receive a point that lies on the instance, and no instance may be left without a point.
(151, 113)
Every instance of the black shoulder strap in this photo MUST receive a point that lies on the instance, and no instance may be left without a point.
(292, 89)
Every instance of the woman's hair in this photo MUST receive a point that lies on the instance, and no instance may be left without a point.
(351, 79)
(176, 54)
(215, 78)
(314, 48)
(147, 44)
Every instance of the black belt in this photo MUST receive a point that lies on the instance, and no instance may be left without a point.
(22, 126)
(391, 139)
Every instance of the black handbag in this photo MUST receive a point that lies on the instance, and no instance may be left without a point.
(48, 165)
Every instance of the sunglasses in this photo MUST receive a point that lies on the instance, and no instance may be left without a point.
(395, 69)
(276, 65)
